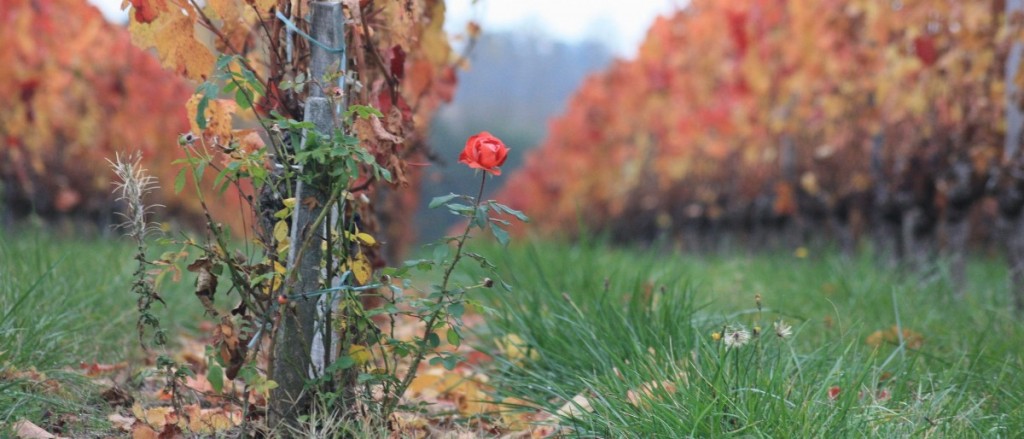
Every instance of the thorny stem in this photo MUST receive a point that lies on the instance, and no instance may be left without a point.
(421, 352)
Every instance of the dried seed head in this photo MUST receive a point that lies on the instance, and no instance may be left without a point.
(736, 338)
(782, 330)
(488, 282)
(132, 185)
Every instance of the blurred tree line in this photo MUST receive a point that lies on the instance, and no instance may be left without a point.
(513, 86)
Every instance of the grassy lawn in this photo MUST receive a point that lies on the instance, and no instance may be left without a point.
(65, 301)
(627, 333)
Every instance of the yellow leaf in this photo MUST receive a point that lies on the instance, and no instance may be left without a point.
(218, 114)
(359, 353)
(225, 10)
(289, 202)
(515, 348)
(263, 6)
(278, 268)
(156, 417)
(281, 231)
(361, 268)
(212, 420)
(172, 34)
(366, 238)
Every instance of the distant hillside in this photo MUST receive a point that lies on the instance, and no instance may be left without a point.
(513, 86)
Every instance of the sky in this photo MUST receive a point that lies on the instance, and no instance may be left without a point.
(619, 24)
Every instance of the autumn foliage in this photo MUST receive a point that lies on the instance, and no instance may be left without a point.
(77, 91)
(763, 112)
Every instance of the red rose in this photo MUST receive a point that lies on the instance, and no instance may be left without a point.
(484, 151)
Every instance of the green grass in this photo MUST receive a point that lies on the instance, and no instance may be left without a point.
(63, 301)
(632, 317)
(652, 321)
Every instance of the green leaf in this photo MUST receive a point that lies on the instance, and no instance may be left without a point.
(200, 169)
(224, 61)
(457, 309)
(343, 363)
(450, 362)
(453, 337)
(441, 253)
(480, 220)
(242, 99)
(179, 180)
(500, 234)
(505, 209)
(433, 340)
(215, 375)
(439, 201)
(209, 91)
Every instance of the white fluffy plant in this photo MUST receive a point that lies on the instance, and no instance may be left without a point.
(132, 185)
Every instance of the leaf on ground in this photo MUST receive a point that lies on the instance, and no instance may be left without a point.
(912, 338)
(24, 429)
(575, 408)
(156, 417)
(467, 393)
(121, 422)
(515, 349)
(96, 369)
(116, 396)
(650, 390)
(143, 431)
(212, 420)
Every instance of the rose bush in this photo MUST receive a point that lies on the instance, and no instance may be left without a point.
(484, 151)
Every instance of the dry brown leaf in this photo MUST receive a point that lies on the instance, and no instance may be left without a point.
(116, 396)
(575, 407)
(210, 421)
(121, 422)
(25, 429)
(649, 391)
(912, 338)
(156, 417)
(143, 431)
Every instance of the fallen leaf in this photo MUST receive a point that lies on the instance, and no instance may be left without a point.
(210, 421)
(96, 369)
(515, 349)
(116, 396)
(575, 407)
(121, 422)
(143, 431)
(24, 429)
(156, 417)
(913, 339)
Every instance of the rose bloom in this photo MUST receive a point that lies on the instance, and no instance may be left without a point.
(484, 151)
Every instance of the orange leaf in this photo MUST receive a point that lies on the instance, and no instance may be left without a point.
(172, 34)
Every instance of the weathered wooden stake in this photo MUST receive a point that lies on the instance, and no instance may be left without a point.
(301, 349)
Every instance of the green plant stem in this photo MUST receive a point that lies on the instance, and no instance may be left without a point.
(421, 352)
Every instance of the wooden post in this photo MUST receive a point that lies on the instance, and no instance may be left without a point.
(300, 350)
